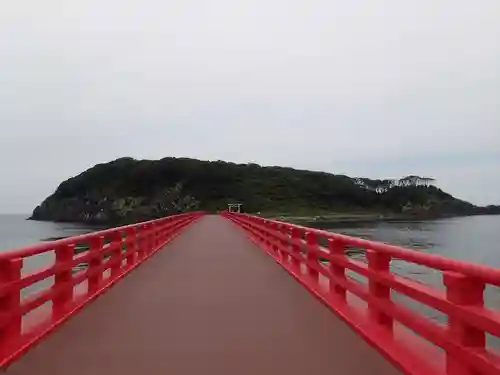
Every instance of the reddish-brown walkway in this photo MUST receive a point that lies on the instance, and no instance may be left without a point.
(209, 303)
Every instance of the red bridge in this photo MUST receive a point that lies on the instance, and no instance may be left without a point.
(237, 294)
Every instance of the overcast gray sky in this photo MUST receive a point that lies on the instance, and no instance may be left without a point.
(381, 88)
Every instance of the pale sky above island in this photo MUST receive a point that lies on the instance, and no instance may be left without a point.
(369, 88)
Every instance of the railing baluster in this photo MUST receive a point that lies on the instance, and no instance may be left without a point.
(296, 236)
(259, 232)
(311, 254)
(95, 264)
(285, 246)
(144, 244)
(262, 236)
(256, 232)
(116, 255)
(165, 231)
(131, 246)
(380, 263)
(151, 238)
(464, 291)
(10, 271)
(146, 248)
(168, 231)
(155, 227)
(161, 233)
(63, 278)
(267, 238)
(272, 238)
(337, 248)
(141, 243)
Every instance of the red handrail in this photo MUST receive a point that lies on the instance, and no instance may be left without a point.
(84, 267)
(457, 347)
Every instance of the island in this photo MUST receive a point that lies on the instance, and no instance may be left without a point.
(127, 190)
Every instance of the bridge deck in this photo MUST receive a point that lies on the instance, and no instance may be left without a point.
(210, 303)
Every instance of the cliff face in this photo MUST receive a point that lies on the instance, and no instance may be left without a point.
(128, 190)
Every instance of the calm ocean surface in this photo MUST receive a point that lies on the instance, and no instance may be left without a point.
(475, 239)
(16, 231)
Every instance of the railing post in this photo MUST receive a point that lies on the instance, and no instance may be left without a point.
(379, 263)
(296, 253)
(465, 291)
(63, 278)
(164, 231)
(267, 243)
(152, 238)
(311, 254)
(146, 248)
(169, 232)
(146, 245)
(259, 232)
(131, 239)
(141, 241)
(165, 235)
(272, 239)
(262, 235)
(95, 264)
(338, 272)
(251, 230)
(285, 246)
(155, 228)
(173, 227)
(177, 225)
(144, 241)
(10, 272)
(116, 255)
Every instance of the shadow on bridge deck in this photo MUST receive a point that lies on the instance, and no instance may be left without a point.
(209, 303)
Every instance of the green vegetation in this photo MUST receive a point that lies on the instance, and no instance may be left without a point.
(128, 190)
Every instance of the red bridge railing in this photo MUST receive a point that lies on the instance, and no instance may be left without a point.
(79, 269)
(414, 342)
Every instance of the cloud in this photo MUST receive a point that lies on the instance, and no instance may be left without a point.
(378, 88)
